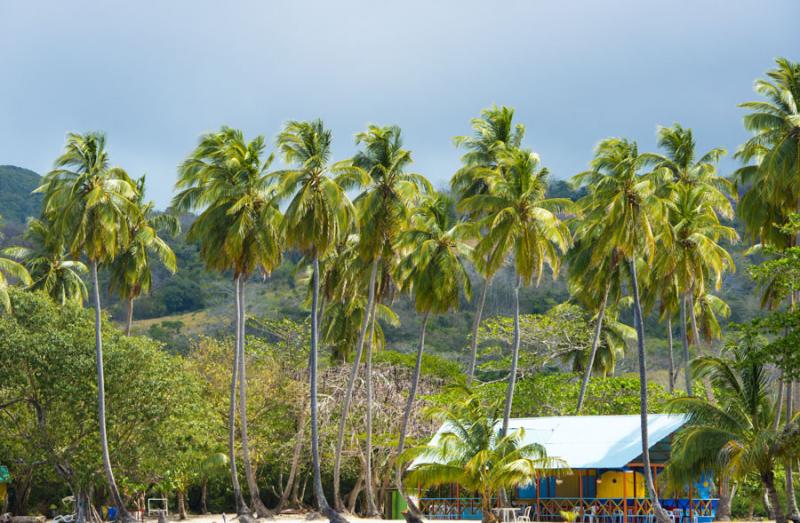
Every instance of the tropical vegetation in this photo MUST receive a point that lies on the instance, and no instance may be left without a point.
(283, 350)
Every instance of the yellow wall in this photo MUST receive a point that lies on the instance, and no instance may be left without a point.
(611, 485)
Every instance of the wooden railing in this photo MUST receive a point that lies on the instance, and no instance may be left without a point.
(591, 510)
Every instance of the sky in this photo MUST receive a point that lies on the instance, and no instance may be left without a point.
(156, 75)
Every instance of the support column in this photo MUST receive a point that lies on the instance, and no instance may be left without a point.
(625, 495)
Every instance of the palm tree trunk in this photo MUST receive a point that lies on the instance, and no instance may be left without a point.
(791, 499)
(351, 381)
(204, 496)
(598, 329)
(241, 506)
(181, 504)
(696, 334)
(252, 486)
(298, 447)
(776, 422)
(371, 511)
(129, 318)
(473, 353)
(687, 374)
(512, 378)
(660, 513)
(313, 357)
(101, 401)
(725, 497)
(414, 515)
(772, 495)
(671, 357)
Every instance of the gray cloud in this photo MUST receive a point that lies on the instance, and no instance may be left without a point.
(154, 75)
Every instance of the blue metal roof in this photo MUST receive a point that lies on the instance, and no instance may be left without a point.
(589, 442)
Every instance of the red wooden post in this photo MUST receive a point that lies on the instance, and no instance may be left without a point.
(580, 491)
(625, 495)
(691, 512)
(458, 501)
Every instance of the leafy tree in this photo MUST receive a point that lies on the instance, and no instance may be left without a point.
(434, 270)
(238, 230)
(43, 387)
(470, 451)
(319, 215)
(87, 202)
(50, 267)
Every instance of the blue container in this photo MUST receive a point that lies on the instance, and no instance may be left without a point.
(112, 513)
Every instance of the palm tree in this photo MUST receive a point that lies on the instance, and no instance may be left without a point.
(49, 266)
(733, 436)
(596, 284)
(492, 133)
(470, 451)
(681, 164)
(621, 212)
(611, 346)
(87, 203)
(519, 221)
(775, 147)
(239, 230)
(772, 179)
(702, 194)
(383, 208)
(319, 215)
(435, 271)
(692, 253)
(131, 271)
(14, 270)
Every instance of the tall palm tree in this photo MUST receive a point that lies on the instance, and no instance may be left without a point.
(775, 149)
(319, 215)
(697, 183)
(434, 269)
(681, 164)
(622, 211)
(520, 221)
(383, 209)
(131, 271)
(492, 133)
(734, 435)
(88, 203)
(239, 230)
(773, 176)
(692, 253)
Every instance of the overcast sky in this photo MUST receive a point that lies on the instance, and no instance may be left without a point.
(155, 75)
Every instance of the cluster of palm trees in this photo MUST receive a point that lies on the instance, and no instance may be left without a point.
(97, 213)
(649, 234)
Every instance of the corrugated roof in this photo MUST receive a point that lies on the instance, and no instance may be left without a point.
(588, 442)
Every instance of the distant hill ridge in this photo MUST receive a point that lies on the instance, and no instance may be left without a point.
(17, 203)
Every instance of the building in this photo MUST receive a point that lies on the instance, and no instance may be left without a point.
(605, 483)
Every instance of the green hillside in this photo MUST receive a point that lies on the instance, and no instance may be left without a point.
(16, 201)
(194, 301)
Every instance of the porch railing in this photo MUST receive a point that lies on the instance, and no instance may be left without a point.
(591, 510)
